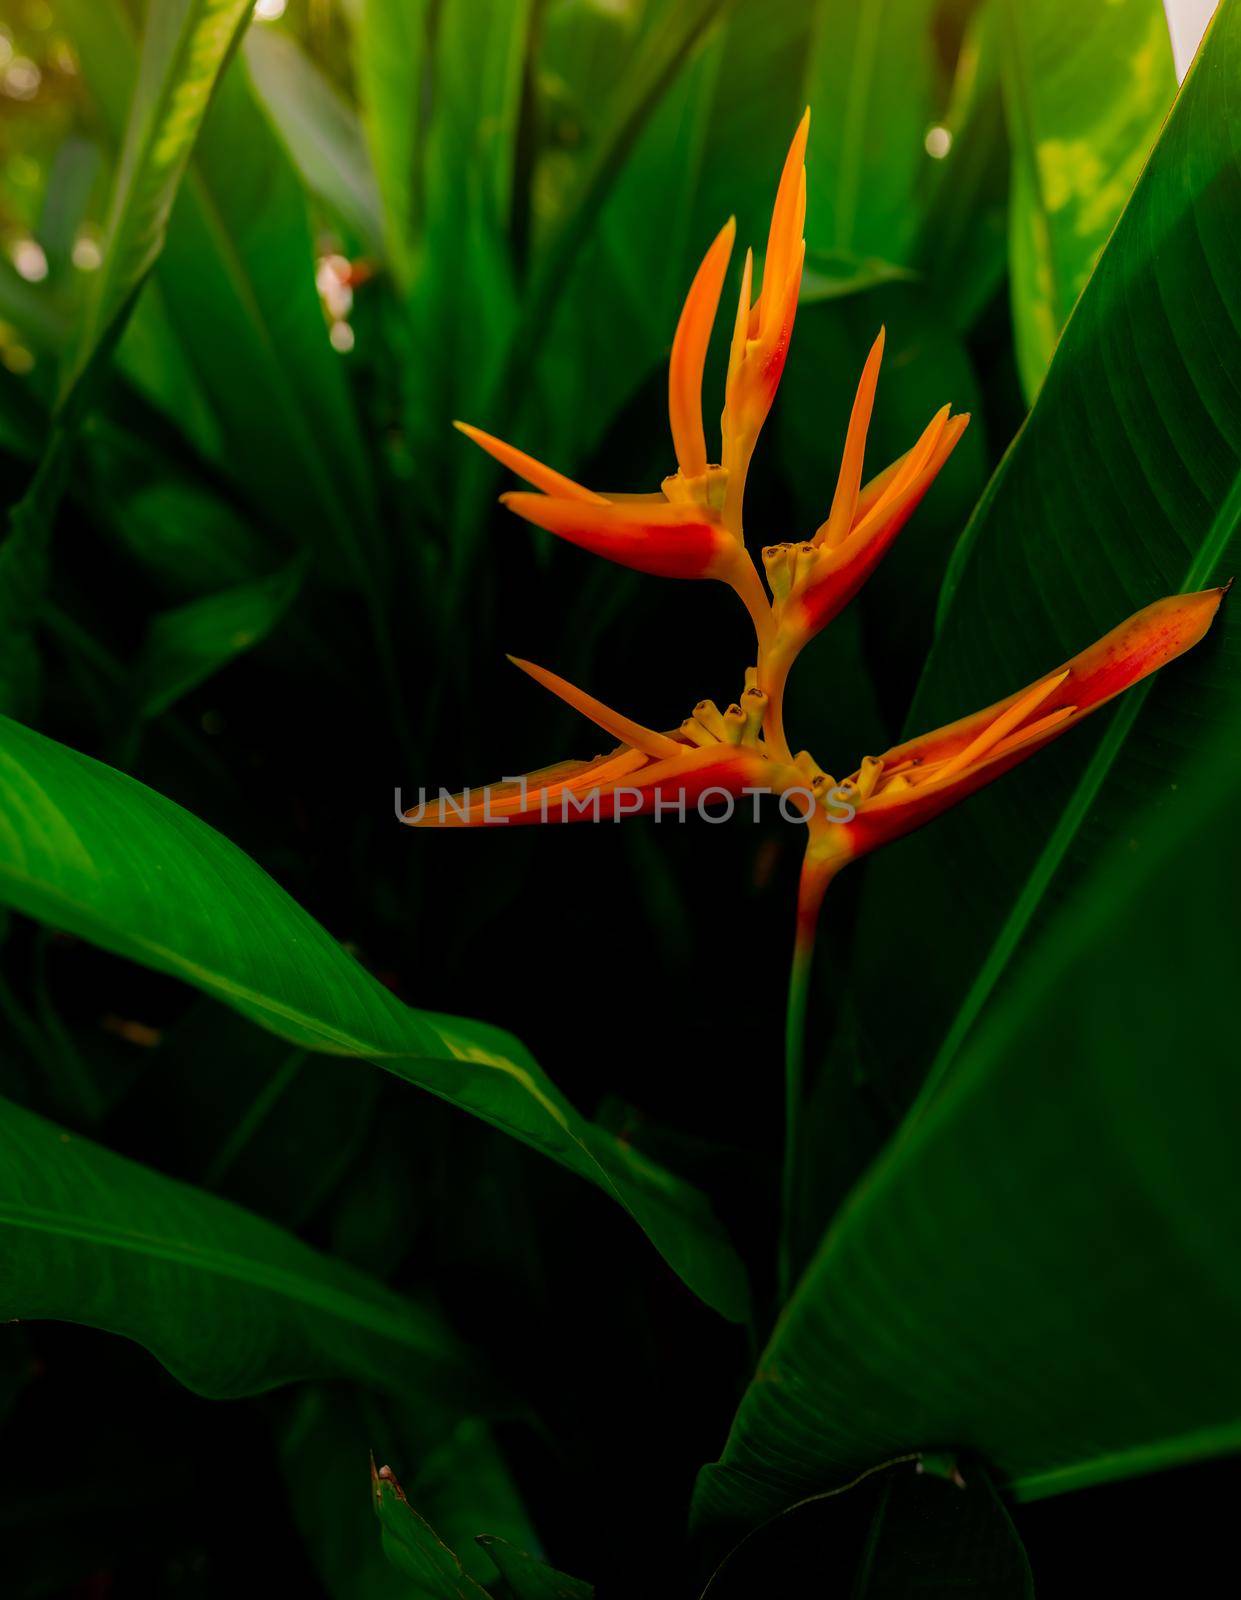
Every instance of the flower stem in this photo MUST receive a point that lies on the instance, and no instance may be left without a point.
(817, 873)
(773, 672)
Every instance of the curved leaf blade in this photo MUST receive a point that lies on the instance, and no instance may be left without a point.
(1043, 1268)
(94, 852)
(186, 46)
(230, 1303)
(1124, 484)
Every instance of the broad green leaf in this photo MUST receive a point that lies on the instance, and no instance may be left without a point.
(186, 45)
(872, 86)
(1124, 485)
(1086, 88)
(389, 58)
(230, 1304)
(320, 130)
(96, 853)
(186, 646)
(1043, 1267)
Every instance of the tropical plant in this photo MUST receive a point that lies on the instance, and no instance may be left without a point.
(979, 1251)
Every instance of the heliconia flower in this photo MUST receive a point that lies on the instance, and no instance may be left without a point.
(761, 331)
(691, 528)
(814, 581)
(892, 794)
(716, 754)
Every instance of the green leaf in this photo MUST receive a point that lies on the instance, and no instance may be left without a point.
(930, 1526)
(1042, 1267)
(831, 274)
(390, 58)
(185, 647)
(186, 45)
(23, 579)
(325, 1438)
(320, 130)
(872, 84)
(147, 880)
(529, 1578)
(620, 301)
(1124, 485)
(418, 1551)
(414, 1548)
(962, 247)
(237, 283)
(1086, 90)
(230, 1304)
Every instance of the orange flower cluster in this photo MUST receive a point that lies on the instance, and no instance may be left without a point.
(692, 528)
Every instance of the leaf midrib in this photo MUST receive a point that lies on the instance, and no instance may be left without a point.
(1085, 791)
(290, 1285)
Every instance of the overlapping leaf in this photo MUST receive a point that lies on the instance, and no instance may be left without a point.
(91, 851)
(1043, 1267)
(229, 1303)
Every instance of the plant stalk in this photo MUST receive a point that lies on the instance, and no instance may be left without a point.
(817, 872)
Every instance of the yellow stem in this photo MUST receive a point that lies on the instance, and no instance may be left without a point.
(773, 673)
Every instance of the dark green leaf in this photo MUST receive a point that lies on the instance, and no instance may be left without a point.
(925, 1527)
(230, 1304)
(414, 1548)
(186, 646)
(1124, 485)
(1043, 1265)
(325, 1438)
(149, 881)
(529, 1578)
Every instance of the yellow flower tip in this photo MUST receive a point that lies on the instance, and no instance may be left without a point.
(689, 353)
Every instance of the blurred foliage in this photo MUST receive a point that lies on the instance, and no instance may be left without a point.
(248, 276)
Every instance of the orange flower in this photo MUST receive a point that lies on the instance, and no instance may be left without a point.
(692, 528)
(813, 582)
(713, 755)
(909, 785)
(679, 532)
(761, 332)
